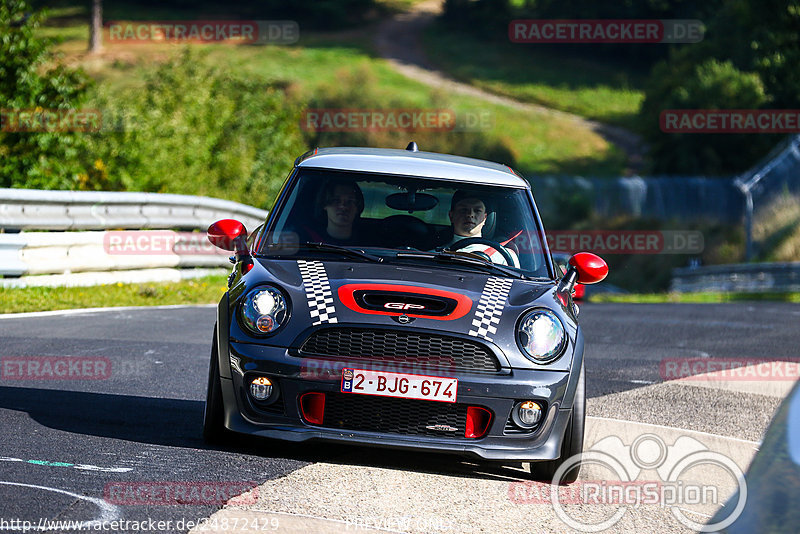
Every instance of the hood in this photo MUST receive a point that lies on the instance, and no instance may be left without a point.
(422, 298)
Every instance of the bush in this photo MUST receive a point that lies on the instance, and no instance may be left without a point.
(678, 84)
(195, 130)
(30, 81)
(358, 89)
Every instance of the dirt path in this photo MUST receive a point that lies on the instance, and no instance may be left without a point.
(398, 41)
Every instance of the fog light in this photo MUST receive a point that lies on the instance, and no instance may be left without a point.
(529, 413)
(261, 388)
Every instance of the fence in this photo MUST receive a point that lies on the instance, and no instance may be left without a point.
(680, 197)
(660, 198)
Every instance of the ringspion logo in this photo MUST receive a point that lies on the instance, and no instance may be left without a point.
(684, 477)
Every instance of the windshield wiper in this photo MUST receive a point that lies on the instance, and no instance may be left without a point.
(343, 250)
(460, 258)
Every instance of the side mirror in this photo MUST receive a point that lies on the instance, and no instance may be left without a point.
(228, 234)
(584, 267)
(590, 267)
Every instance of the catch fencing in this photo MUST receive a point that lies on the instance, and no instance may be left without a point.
(687, 198)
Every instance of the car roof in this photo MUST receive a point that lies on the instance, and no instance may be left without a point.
(412, 163)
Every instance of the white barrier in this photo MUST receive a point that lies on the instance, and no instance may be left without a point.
(33, 209)
(33, 253)
(70, 257)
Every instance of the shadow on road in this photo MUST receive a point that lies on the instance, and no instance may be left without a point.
(178, 423)
(171, 422)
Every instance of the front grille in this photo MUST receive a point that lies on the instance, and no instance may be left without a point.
(395, 416)
(416, 349)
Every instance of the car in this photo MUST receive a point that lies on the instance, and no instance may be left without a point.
(769, 499)
(401, 299)
(562, 261)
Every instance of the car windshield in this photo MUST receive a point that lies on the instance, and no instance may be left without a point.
(404, 219)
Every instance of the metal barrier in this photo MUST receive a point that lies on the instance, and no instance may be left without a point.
(70, 257)
(743, 277)
(32, 209)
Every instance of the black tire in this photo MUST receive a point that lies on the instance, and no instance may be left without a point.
(572, 443)
(214, 431)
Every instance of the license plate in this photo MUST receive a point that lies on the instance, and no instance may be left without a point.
(433, 388)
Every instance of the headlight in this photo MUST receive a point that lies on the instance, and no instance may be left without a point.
(541, 335)
(263, 310)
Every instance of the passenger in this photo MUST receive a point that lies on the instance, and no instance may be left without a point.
(342, 203)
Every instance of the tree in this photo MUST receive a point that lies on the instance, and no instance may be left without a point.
(31, 83)
(748, 60)
(679, 84)
(96, 27)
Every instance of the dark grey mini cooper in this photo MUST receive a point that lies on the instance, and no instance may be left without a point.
(404, 299)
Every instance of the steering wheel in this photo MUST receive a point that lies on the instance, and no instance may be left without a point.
(463, 243)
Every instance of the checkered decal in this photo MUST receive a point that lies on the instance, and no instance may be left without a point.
(490, 307)
(318, 291)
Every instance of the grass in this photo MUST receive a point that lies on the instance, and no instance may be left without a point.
(776, 229)
(538, 142)
(206, 290)
(586, 87)
(696, 298)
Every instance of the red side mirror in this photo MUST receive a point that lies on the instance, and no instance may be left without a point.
(228, 234)
(590, 267)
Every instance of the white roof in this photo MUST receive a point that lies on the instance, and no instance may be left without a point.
(408, 163)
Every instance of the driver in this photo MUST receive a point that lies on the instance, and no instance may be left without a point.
(468, 214)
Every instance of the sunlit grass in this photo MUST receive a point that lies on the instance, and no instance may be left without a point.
(206, 290)
(585, 87)
(540, 143)
(700, 298)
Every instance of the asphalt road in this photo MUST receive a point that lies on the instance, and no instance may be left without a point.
(62, 442)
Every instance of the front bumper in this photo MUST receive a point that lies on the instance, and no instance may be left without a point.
(497, 392)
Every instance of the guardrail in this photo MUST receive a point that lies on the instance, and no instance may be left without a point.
(743, 277)
(33, 209)
(106, 251)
